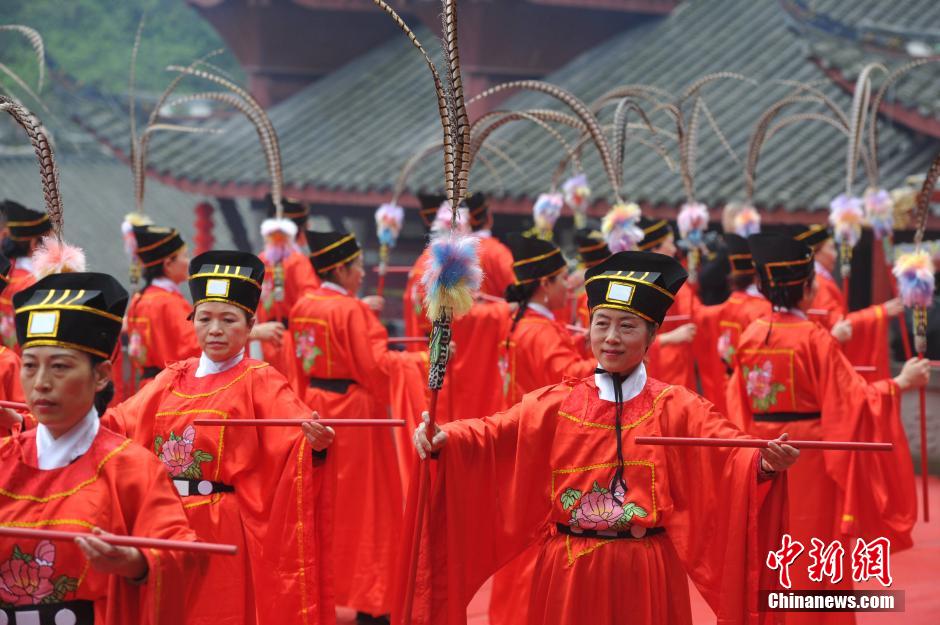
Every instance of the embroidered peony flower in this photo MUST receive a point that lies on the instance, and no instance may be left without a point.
(598, 511)
(177, 453)
(27, 580)
(759, 381)
(725, 347)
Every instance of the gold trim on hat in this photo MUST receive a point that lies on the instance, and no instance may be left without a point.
(593, 247)
(333, 246)
(551, 275)
(221, 300)
(222, 274)
(628, 276)
(626, 308)
(534, 259)
(340, 263)
(166, 239)
(66, 345)
(26, 224)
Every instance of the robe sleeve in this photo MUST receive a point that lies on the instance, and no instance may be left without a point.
(869, 343)
(879, 490)
(286, 504)
(151, 507)
(487, 503)
(176, 338)
(723, 521)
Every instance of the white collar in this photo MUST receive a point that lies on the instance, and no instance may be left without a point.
(326, 284)
(542, 310)
(631, 386)
(55, 453)
(208, 366)
(166, 284)
(796, 312)
(25, 263)
(753, 291)
(483, 234)
(822, 270)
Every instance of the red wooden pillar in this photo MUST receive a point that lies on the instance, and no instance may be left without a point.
(203, 239)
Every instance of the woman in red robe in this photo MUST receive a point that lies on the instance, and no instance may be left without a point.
(26, 227)
(864, 333)
(343, 357)
(671, 357)
(264, 489)
(539, 349)
(158, 328)
(790, 376)
(495, 258)
(10, 389)
(719, 327)
(287, 275)
(617, 525)
(70, 473)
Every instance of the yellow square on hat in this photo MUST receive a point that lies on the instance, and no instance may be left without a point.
(42, 323)
(217, 288)
(620, 293)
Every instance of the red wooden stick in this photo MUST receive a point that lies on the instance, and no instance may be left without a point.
(752, 442)
(407, 339)
(263, 423)
(864, 368)
(122, 541)
(380, 289)
(394, 269)
(13, 405)
(923, 452)
(677, 318)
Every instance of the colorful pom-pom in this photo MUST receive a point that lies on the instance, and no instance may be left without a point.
(452, 274)
(620, 227)
(747, 221)
(388, 223)
(545, 212)
(577, 193)
(55, 256)
(127, 230)
(279, 236)
(915, 274)
(692, 222)
(846, 217)
(879, 211)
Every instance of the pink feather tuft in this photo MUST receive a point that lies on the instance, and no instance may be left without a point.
(55, 256)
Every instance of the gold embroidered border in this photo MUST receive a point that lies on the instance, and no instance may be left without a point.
(594, 547)
(300, 528)
(74, 490)
(158, 585)
(626, 426)
(221, 388)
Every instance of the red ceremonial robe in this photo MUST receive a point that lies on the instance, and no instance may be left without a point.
(20, 279)
(675, 364)
(473, 385)
(504, 483)
(718, 329)
(158, 330)
(868, 346)
(793, 367)
(496, 263)
(340, 341)
(540, 352)
(270, 494)
(117, 486)
(299, 277)
(10, 388)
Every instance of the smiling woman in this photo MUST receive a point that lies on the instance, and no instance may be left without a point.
(258, 488)
(67, 326)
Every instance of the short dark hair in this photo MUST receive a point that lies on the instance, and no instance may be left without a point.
(788, 296)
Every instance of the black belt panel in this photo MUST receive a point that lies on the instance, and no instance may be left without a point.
(332, 385)
(783, 417)
(567, 529)
(82, 611)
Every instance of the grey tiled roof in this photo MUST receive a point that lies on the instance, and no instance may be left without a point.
(96, 194)
(353, 130)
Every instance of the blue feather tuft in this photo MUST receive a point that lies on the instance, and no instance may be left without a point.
(452, 274)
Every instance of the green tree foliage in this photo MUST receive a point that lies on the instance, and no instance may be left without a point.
(91, 40)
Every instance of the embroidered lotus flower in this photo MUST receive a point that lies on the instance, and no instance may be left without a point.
(136, 348)
(29, 579)
(504, 374)
(8, 330)
(726, 347)
(597, 510)
(178, 455)
(761, 387)
(307, 349)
